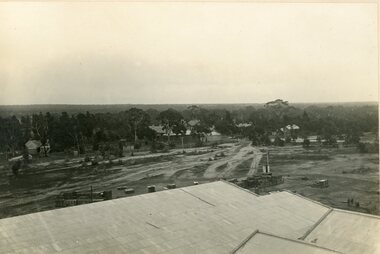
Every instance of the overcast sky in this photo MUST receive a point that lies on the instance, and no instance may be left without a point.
(94, 53)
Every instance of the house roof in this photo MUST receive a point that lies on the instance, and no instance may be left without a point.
(215, 133)
(33, 144)
(158, 129)
(242, 125)
(193, 122)
(171, 221)
(292, 127)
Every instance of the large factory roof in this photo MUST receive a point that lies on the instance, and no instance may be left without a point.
(264, 243)
(207, 218)
(348, 232)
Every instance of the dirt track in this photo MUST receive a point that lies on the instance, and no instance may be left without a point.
(36, 190)
(243, 152)
(350, 175)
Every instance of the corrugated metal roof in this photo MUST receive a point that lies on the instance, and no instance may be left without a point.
(348, 232)
(263, 243)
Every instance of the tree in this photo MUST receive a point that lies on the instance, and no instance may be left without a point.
(26, 128)
(306, 143)
(137, 118)
(180, 129)
(11, 134)
(40, 129)
(64, 135)
(169, 119)
(201, 130)
(278, 141)
(225, 124)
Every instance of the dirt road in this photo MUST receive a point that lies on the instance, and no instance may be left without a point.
(257, 155)
(36, 190)
(243, 152)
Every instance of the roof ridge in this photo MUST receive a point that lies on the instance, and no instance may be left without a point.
(195, 196)
(308, 199)
(357, 213)
(238, 187)
(296, 240)
(240, 245)
(316, 224)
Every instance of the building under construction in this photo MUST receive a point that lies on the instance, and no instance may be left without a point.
(65, 199)
(257, 179)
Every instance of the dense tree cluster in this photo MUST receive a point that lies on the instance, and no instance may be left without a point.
(81, 130)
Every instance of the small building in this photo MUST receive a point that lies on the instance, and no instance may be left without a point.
(290, 131)
(244, 125)
(340, 143)
(160, 131)
(193, 123)
(299, 140)
(33, 146)
(324, 183)
(36, 147)
(313, 139)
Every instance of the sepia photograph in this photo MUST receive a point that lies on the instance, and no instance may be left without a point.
(181, 127)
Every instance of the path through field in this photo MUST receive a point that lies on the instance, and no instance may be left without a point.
(243, 152)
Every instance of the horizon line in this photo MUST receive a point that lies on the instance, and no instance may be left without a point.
(203, 103)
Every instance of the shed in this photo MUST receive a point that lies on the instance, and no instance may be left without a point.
(33, 146)
(324, 183)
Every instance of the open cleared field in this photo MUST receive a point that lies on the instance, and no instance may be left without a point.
(35, 189)
(350, 174)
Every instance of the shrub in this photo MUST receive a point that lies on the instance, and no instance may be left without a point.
(278, 142)
(306, 143)
(15, 167)
(368, 147)
(160, 146)
(137, 145)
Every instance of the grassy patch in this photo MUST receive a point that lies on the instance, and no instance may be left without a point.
(199, 170)
(221, 167)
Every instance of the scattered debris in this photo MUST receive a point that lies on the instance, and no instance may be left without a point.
(129, 191)
(171, 186)
(151, 188)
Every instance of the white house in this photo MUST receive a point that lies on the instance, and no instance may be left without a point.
(33, 146)
(36, 147)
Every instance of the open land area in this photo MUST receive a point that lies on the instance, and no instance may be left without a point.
(351, 175)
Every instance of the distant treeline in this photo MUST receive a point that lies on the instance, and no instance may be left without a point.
(80, 129)
(22, 110)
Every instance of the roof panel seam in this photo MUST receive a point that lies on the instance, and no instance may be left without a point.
(191, 194)
(316, 224)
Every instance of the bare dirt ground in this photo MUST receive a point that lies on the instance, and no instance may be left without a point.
(37, 188)
(351, 175)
